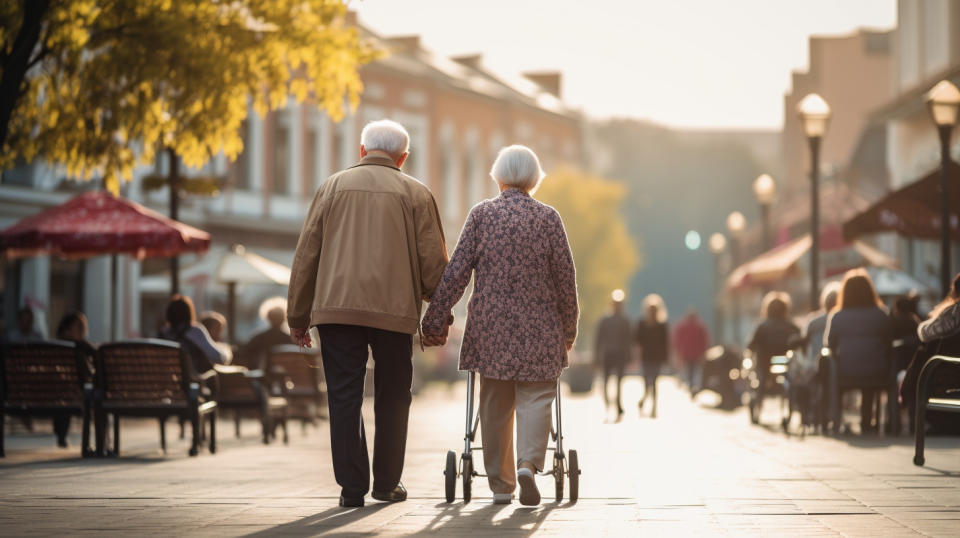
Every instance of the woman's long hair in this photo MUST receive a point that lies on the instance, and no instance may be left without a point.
(952, 298)
(858, 291)
(776, 305)
(655, 301)
(180, 311)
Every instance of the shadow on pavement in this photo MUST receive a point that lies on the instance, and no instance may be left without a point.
(463, 517)
(323, 522)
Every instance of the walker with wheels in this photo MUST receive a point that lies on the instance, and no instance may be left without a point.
(564, 464)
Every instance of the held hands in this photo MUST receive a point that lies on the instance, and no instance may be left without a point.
(301, 337)
(430, 340)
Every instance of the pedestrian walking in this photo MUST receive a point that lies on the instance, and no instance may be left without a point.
(612, 345)
(690, 340)
(521, 321)
(653, 338)
(371, 249)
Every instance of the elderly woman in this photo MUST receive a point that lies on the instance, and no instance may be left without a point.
(521, 319)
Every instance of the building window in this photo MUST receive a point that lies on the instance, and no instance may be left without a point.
(281, 159)
(338, 145)
(451, 186)
(310, 156)
(242, 164)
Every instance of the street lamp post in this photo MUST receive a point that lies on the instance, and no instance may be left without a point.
(718, 243)
(764, 188)
(736, 223)
(944, 104)
(815, 115)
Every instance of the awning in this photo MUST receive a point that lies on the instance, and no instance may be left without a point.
(781, 262)
(244, 267)
(770, 266)
(912, 211)
(224, 265)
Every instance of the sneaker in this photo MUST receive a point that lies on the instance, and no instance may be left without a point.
(502, 498)
(529, 494)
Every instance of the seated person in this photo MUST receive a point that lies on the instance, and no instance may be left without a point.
(182, 327)
(939, 335)
(215, 324)
(254, 353)
(904, 322)
(73, 328)
(26, 330)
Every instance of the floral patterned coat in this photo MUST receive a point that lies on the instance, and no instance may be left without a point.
(523, 310)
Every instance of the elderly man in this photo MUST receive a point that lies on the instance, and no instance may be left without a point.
(370, 250)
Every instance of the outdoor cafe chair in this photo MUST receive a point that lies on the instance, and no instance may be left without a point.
(949, 404)
(45, 379)
(242, 391)
(297, 375)
(152, 378)
(882, 377)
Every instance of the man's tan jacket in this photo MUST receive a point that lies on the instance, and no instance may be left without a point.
(370, 251)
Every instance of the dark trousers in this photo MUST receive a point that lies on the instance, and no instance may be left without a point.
(651, 371)
(613, 368)
(344, 349)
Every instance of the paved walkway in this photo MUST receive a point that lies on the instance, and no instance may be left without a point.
(692, 470)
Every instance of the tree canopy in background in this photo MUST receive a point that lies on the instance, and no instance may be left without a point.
(603, 251)
(101, 85)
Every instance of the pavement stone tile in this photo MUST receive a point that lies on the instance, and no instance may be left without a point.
(694, 470)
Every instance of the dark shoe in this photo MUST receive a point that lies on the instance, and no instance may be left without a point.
(351, 502)
(398, 494)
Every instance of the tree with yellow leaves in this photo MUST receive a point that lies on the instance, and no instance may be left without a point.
(100, 86)
(604, 253)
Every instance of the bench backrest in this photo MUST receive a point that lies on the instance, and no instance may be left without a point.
(300, 370)
(145, 372)
(43, 374)
(236, 387)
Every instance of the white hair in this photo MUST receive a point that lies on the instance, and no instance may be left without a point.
(387, 136)
(517, 166)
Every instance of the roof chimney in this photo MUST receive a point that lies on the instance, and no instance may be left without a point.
(549, 81)
(403, 44)
(472, 61)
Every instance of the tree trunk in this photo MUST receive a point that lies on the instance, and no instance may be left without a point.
(174, 185)
(16, 64)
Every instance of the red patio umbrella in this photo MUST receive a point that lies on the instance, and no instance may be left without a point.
(97, 224)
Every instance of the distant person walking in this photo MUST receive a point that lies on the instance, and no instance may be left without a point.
(521, 320)
(690, 340)
(612, 345)
(653, 338)
(370, 251)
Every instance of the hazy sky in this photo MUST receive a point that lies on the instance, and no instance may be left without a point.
(684, 63)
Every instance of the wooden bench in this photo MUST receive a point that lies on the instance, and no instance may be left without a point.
(45, 379)
(297, 375)
(243, 391)
(151, 378)
(926, 403)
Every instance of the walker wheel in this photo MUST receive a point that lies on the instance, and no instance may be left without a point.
(467, 477)
(558, 475)
(574, 472)
(450, 476)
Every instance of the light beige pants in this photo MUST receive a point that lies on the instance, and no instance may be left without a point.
(532, 403)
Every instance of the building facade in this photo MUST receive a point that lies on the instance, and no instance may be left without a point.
(458, 113)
